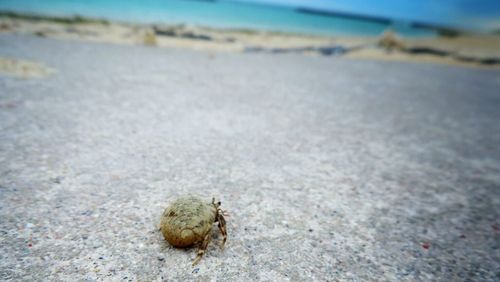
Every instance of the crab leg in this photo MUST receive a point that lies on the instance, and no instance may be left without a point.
(222, 228)
(203, 247)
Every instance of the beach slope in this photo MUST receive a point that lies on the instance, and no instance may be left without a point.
(330, 168)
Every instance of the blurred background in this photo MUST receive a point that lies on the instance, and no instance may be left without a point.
(326, 17)
(452, 31)
(350, 140)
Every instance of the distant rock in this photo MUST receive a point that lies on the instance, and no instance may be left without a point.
(390, 41)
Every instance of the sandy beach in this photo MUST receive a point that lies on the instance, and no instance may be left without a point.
(332, 168)
(462, 50)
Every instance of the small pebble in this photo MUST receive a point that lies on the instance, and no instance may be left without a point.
(57, 180)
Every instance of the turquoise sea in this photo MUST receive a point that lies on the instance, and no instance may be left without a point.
(221, 14)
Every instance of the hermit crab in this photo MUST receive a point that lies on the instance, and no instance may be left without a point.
(188, 221)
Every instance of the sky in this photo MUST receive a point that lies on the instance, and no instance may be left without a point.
(483, 14)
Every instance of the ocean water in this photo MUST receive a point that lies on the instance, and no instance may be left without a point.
(220, 14)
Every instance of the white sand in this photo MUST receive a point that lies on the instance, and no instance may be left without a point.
(331, 168)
